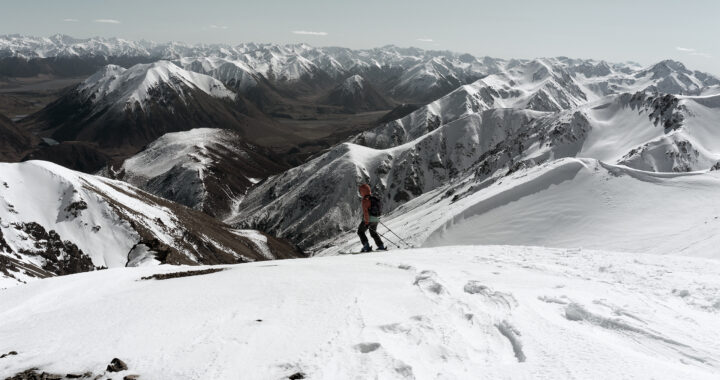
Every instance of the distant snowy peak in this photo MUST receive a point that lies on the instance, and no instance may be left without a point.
(127, 109)
(136, 85)
(295, 68)
(235, 74)
(353, 84)
(409, 75)
(59, 45)
(355, 94)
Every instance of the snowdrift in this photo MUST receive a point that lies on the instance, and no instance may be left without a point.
(586, 203)
(451, 312)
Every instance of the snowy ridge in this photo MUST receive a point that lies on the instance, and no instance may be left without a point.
(78, 222)
(181, 166)
(236, 74)
(544, 85)
(190, 146)
(425, 75)
(648, 132)
(592, 204)
(130, 87)
(353, 84)
(59, 45)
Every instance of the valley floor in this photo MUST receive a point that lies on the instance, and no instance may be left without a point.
(470, 312)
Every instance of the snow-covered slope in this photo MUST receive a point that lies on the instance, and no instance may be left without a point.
(122, 110)
(57, 221)
(591, 205)
(235, 74)
(451, 312)
(206, 169)
(649, 132)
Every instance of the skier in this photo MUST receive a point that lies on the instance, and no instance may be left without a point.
(371, 207)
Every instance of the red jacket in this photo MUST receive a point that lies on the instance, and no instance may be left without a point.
(365, 191)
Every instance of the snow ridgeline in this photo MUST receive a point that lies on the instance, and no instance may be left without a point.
(207, 169)
(568, 203)
(424, 74)
(473, 148)
(133, 87)
(448, 312)
(56, 221)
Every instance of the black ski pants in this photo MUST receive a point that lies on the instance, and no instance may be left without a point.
(373, 232)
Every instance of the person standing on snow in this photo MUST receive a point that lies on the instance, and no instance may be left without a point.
(371, 208)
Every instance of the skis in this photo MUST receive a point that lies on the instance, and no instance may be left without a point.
(361, 252)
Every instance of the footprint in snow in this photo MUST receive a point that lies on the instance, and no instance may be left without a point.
(499, 298)
(366, 348)
(426, 280)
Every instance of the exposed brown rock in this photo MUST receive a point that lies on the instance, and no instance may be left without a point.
(117, 365)
(166, 276)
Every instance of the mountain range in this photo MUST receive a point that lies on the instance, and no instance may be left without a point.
(147, 124)
(549, 217)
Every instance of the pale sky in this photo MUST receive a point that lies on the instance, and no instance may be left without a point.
(644, 31)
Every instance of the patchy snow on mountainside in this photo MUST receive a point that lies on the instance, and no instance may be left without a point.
(470, 312)
(416, 155)
(234, 73)
(175, 164)
(353, 84)
(207, 169)
(56, 221)
(189, 147)
(355, 94)
(134, 86)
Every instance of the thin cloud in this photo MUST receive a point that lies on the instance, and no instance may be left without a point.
(218, 27)
(697, 53)
(692, 51)
(106, 21)
(305, 32)
(71, 20)
(425, 39)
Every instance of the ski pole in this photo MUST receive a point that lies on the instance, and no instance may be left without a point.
(401, 239)
(386, 239)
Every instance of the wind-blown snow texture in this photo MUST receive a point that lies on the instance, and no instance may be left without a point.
(451, 312)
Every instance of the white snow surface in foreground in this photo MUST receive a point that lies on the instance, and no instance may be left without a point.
(471, 312)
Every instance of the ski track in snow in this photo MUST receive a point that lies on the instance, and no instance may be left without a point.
(439, 313)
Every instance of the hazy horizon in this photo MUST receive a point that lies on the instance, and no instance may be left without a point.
(643, 31)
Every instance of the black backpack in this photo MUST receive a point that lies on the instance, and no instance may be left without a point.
(375, 205)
